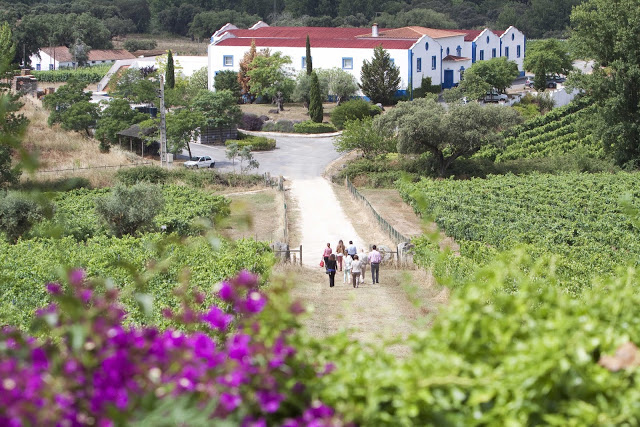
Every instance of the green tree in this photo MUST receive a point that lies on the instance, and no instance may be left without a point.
(268, 77)
(131, 85)
(243, 74)
(183, 126)
(7, 46)
(380, 78)
(545, 58)
(80, 53)
(607, 32)
(18, 213)
(81, 116)
(199, 80)
(473, 86)
(170, 73)
(128, 210)
(219, 109)
(303, 84)
(232, 152)
(64, 98)
(116, 117)
(315, 102)
(246, 156)
(341, 84)
(308, 64)
(360, 134)
(499, 73)
(424, 125)
(228, 80)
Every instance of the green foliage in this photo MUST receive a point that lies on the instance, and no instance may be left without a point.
(129, 210)
(498, 73)
(303, 84)
(116, 117)
(473, 86)
(220, 108)
(352, 110)
(286, 126)
(531, 106)
(425, 88)
(313, 127)
(461, 130)
(361, 134)
(62, 99)
(150, 174)
(18, 213)
(228, 80)
(170, 76)
(316, 111)
(257, 143)
(308, 62)
(380, 78)
(605, 31)
(208, 22)
(421, 16)
(80, 117)
(87, 74)
(340, 84)
(579, 218)
(133, 45)
(79, 52)
(133, 86)
(268, 76)
(7, 46)
(182, 127)
(12, 126)
(547, 58)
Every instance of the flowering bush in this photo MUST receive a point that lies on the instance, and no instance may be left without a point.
(230, 362)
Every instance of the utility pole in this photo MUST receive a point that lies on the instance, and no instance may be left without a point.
(163, 126)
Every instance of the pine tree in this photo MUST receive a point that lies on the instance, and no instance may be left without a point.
(308, 58)
(315, 102)
(170, 76)
(380, 78)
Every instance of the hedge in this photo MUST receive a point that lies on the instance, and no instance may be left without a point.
(87, 74)
(257, 143)
(313, 127)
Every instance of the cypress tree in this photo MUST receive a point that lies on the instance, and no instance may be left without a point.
(315, 102)
(380, 78)
(308, 58)
(170, 75)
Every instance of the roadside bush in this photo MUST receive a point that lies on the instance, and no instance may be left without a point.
(62, 184)
(18, 213)
(352, 110)
(151, 174)
(251, 122)
(86, 74)
(279, 126)
(128, 210)
(425, 88)
(257, 143)
(136, 44)
(202, 177)
(313, 127)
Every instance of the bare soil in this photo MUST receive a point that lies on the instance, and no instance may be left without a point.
(292, 111)
(256, 214)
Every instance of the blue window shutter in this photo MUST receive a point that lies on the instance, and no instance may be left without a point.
(419, 64)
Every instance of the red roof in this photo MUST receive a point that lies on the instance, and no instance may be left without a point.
(455, 58)
(471, 35)
(415, 32)
(325, 42)
(298, 32)
(62, 54)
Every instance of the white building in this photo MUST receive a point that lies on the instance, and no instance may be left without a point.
(418, 52)
(54, 58)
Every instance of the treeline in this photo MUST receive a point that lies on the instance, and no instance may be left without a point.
(38, 23)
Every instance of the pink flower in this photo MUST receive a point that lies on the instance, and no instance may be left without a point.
(76, 277)
(246, 279)
(269, 401)
(226, 292)
(255, 302)
(54, 288)
(230, 401)
(217, 318)
(239, 347)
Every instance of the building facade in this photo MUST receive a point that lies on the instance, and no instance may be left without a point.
(418, 52)
(54, 58)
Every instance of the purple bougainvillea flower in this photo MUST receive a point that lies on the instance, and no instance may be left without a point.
(238, 347)
(232, 379)
(217, 318)
(246, 279)
(317, 410)
(85, 295)
(230, 401)
(54, 288)
(76, 276)
(226, 291)
(269, 401)
(255, 302)
(167, 313)
(297, 308)
(328, 368)
(254, 422)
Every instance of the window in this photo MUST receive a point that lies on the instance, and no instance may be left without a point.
(419, 64)
(448, 51)
(506, 51)
(459, 51)
(513, 36)
(51, 66)
(493, 52)
(37, 67)
(304, 62)
(347, 63)
(433, 62)
(227, 60)
(487, 39)
(518, 51)
(426, 46)
(482, 55)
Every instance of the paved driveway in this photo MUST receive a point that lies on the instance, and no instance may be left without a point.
(294, 157)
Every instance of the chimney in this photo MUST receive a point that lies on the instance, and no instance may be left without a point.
(374, 30)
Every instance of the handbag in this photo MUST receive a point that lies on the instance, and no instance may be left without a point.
(321, 263)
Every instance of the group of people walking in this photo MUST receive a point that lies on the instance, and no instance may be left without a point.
(353, 264)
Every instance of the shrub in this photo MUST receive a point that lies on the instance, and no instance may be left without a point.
(134, 44)
(352, 110)
(425, 88)
(257, 143)
(86, 74)
(313, 127)
(279, 126)
(18, 213)
(151, 174)
(252, 122)
(128, 210)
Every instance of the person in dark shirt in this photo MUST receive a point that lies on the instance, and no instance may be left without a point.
(332, 265)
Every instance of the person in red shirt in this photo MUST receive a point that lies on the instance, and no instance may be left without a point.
(326, 254)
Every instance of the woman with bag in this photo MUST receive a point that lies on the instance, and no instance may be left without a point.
(325, 255)
(331, 270)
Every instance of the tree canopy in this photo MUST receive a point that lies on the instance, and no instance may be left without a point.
(380, 78)
(268, 76)
(498, 73)
(545, 58)
(219, 109)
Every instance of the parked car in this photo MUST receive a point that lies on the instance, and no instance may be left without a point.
(552, 81)
(200, 162)
(494, 96)
(529, 82)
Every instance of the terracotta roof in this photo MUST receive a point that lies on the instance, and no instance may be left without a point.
(299, 32)
(61, 53)
(356, 43)
(147, 53)
(471, 35)
(415, 32)
(455, 58)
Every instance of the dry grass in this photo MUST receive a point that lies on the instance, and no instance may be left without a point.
(58, 149)
(389, 204)
(257, 214)
(178, 45)
(292, 111)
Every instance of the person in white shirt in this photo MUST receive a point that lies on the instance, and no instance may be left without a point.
(364, 260)
(347, 269)
(351, 249)
(375, 258)
(355, 271)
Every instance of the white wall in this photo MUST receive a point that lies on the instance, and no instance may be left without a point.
(452, 44)
(487, 46)
(420, 51)
(322, 58)
(512, 38)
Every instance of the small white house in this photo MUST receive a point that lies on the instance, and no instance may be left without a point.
(54, 58)
(418, 52)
